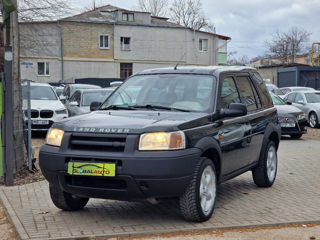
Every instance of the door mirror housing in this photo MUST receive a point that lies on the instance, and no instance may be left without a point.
(301, 102)
(95, 106)
(62, 98)
(234, 110)
(288, 103)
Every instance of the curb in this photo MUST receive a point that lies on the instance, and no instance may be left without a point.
(12, 216)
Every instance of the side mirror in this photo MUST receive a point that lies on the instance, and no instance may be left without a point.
(95, 106)
(234, 110)
(63, 99)
(301, 102)
(289, 103)
(73, 104)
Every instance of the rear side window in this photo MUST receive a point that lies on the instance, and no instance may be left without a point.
(246, 93)
(229, 93)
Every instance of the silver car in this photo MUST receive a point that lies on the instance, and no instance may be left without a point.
(80, 101)
(308, 102)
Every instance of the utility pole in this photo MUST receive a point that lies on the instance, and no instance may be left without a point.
(12, 120)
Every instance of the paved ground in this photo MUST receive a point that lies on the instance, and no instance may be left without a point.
(295, 197)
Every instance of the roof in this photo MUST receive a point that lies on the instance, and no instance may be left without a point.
(207, 70)
(95, 90)
(36, 84)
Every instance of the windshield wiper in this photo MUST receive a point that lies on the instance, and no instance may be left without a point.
(154, 107)
(117, 107)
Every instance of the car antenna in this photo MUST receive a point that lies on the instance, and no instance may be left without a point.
(175, 67)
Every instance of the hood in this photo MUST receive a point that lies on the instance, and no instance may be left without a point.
(43, 105)
(287, 109)
(123, 121)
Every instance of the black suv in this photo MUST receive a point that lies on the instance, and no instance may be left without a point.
(166, 133)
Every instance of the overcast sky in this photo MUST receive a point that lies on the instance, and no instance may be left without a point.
(248, 22)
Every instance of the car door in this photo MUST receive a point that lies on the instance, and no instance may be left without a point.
(255, 118)
(73, 110)
(300, 102)
(232, 134)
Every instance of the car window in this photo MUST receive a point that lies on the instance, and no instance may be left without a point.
(229, 93)
(184, 91)
(246, 94)
(39, 93)
(98, 96)
(298, 98)
(290, 97)
(313, 97)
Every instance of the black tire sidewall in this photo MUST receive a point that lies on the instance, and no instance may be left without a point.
(205, 162)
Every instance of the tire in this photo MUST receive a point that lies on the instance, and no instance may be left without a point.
(296, 135)
(66, 201)
(313, 120)
(265, 173)
(198, 201)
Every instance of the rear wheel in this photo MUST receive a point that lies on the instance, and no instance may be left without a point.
(265, 173)
(296, 135)
(313, 120)
(197, 203)
(66, 201)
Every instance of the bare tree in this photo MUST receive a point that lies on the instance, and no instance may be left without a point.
(288, 44)
(189, 13)
(155, 7)
(44, 10)
(233, 60)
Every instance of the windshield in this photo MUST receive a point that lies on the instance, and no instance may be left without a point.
(77, 87)
(96, 96)
(277, 91)
(39, 93)
(177, 91)
(277, 100)
(313, 97)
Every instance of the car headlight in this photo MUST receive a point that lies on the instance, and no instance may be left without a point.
(62, 111)
(302, 116)
(54, 137)
(162, 141)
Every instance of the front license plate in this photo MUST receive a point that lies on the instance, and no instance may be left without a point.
(288, 125)
(40, 122)
(92, 169)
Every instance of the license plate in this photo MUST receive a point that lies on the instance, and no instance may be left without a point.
(40, 122)
(288, 125)
(92, 169)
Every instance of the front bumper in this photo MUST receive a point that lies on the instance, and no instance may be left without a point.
(36, 126)
(139, 175)
(299, 128)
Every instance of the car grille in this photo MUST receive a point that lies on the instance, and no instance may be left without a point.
(34, 113)
(98, 142)
(46, 113)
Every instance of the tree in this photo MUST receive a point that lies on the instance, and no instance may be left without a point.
(44, 10)
(233, 60)
(287, 45)
(155, 7)
(189, 13)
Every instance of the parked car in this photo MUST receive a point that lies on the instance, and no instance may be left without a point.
(115, 84)
(309, 103)
(275, 90)
(81, 100)
(69, 90)
(287, 90)
(292, 120)
(58, 90)
(46, 108)
(166, 133)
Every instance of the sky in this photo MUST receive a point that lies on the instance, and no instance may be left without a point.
(249, 23)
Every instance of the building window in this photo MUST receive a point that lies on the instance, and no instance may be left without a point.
(43, 69)
(128, 17)
(203, 45)
(125, 43)
(104, 42)
(125, 70)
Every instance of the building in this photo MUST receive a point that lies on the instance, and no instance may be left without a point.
(110, 42)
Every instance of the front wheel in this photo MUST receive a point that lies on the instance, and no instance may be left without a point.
(313, 120)
(265, 173)
(197, 203)
(66, 201)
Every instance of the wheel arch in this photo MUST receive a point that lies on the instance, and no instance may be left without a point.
(211, 149)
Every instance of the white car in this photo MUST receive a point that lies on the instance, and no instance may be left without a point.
(46, 108)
